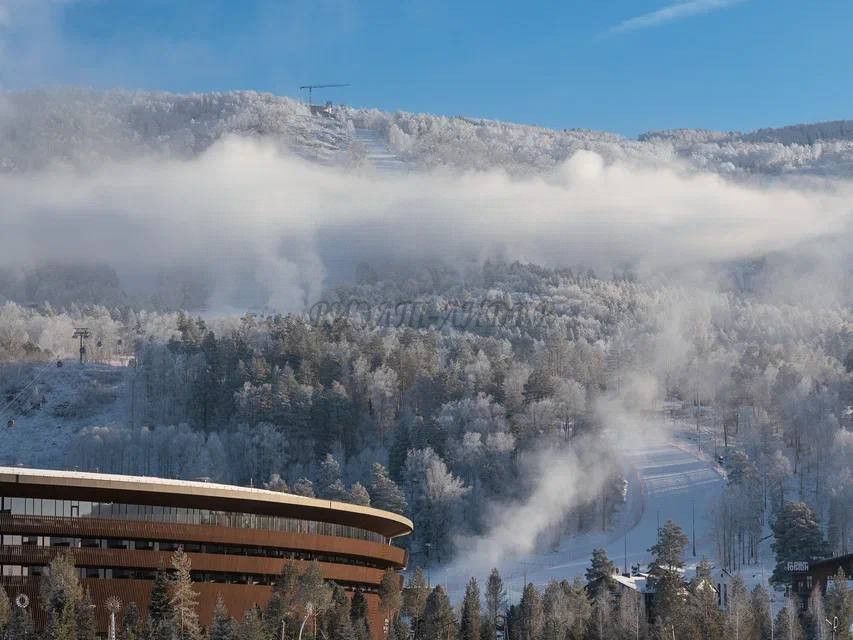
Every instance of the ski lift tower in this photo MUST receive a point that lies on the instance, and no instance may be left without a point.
(310, 88)
(82, 333)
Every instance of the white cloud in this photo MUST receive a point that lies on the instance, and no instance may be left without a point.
(671, 13)
(246, 211)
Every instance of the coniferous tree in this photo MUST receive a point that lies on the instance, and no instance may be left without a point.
(667, 559)
(159, 607)
(531, 616)
(668, 551)
(414, 600)
(384, 492)
(358, 615)
(283, 606)
(787, 625)
(222, 625)
(61, 595)
(469, 623)
(438, 621)
(358, 495)
(495, 597)
(390, 595)
(599, 575)
(131, 624)
(797, 537)
(336, 623)
(183, 598)
(86, 627)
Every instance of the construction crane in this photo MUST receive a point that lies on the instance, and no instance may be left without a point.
(311, 87)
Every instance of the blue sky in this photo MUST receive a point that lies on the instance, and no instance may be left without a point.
(621, 65)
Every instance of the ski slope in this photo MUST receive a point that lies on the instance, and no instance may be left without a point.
(49, 405)
(668, 480)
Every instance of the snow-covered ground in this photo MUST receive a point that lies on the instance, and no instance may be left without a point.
(668, 480)
(49, 404)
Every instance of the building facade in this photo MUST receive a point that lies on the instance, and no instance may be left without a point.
(121, 530)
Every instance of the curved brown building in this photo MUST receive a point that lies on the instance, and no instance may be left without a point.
(121, 529)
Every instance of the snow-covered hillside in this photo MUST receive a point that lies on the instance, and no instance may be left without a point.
(38, 128)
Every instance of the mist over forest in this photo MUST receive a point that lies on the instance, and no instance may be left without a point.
(457, 334)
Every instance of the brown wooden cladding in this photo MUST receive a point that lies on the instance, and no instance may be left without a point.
(381, 554)
(237, 597)
(129, 559)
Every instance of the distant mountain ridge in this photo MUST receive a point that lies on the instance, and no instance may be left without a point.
(81, 127)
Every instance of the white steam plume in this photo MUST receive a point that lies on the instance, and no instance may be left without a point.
(249, 213)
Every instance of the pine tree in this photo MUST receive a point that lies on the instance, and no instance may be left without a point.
(469, 624)
(384, 492)
(668, 551)
(222, 626)
(61, 595)
(86, 627)
(159, 608)
(329, 484)
(183, 599)
(336, 623)
(390, 595)
(787, 625)
(358, 615)
(358, 495)
(131, 623)
(495, 603)
(438, 622)
(531, 615)
(414, 600)
(600, 573)
(668, 558)
(798, 537)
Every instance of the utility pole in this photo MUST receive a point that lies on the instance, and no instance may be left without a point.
(83, 334)
(693, 513)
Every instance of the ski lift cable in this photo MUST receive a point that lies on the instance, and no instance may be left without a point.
(26, 387)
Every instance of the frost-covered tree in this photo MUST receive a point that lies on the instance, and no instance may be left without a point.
(797, 537)
(183, 598)
(222, 626)
(384, 492)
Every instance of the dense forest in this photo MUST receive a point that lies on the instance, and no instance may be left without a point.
(440, 409)
(304, 606)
